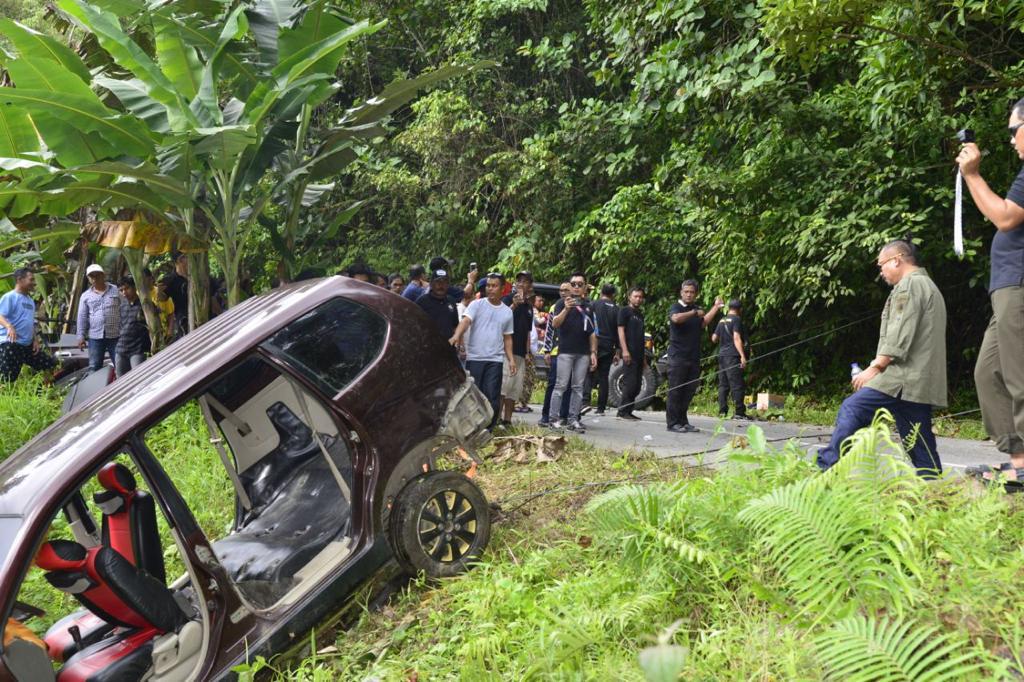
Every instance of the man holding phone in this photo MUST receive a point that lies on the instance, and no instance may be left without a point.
(999, 372)
(577, 349)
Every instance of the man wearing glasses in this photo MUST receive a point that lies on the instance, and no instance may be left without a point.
(908, 375)
(999, 372)
(577, 349)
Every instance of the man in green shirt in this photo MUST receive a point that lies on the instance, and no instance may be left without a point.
(908, 375)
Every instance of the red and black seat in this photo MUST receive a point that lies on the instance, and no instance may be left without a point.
(110, 586)
(121, 594)
(129, 520)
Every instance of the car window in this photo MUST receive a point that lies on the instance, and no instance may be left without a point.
(333, 344)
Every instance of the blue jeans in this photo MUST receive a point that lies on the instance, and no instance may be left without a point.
(858, 411)
(487, 376)
(97, 349)
(563, 411)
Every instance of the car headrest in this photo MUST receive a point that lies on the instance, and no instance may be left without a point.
(61, 555)
(116, 477)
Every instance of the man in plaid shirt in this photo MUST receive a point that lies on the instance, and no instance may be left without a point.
(99, 317)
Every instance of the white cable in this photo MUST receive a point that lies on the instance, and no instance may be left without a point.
(958, 225)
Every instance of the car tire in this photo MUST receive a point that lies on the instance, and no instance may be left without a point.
(440, 523)
(648, 385)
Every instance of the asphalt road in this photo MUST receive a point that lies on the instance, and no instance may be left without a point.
(705, 445)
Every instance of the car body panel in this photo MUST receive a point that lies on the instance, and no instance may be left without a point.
(394, 413)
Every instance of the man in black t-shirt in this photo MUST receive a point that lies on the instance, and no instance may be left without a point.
(686, 322)
(731, 337)
(999, 372)
(177, 291)
(437, 305)
(630, 330)
(522, 323)
(573, 317)
(606, 316)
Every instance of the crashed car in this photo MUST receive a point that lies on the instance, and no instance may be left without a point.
(324, 406)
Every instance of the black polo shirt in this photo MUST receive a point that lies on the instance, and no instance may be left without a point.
(725, 329)
(632, 321)
(522, 323)
(1007, 269)
(574, 334)
(684, 338)
(606, 315)
(442, 311)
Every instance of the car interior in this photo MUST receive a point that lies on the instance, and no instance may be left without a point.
(131, 624)
(291, 470)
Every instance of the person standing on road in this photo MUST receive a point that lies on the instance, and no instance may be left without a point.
(522, 322)
(489, 342)
(606, 315)
(577, 349)
(999, 372)
(630, 328)
(19, 342)
(99, 318)
(731, 337)
(133, 342)
(551, 351)
(686, 321)
(908, 375)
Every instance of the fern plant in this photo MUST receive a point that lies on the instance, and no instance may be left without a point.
(843, 538)
(869, 649)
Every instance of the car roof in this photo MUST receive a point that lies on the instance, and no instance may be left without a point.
(71, 446)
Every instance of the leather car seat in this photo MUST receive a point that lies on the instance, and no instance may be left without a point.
(129, 520)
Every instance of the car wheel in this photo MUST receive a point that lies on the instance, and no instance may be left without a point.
(439, 524)
(615, 385)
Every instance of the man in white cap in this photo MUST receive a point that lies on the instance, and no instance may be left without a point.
(99, 317)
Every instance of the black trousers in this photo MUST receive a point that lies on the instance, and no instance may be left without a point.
(604, 366)
(632, 380)
(682, 386)
(14, 355)
(730, 381)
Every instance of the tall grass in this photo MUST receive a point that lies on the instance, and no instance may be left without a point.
(26, 407)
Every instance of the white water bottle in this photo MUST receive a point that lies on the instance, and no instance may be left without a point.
(854, 369)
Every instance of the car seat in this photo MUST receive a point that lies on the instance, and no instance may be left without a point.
(129, 520)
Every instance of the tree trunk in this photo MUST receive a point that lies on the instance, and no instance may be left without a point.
(198, 289)
(134, 259)
(77, 285)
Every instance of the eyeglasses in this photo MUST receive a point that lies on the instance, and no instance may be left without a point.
(1013, 129)
(881, 264)
(576, 284)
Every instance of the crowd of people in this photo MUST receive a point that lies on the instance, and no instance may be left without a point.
(498, 327)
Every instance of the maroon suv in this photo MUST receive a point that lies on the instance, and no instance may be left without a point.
(324, 406)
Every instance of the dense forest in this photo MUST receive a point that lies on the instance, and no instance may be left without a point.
(766, 148)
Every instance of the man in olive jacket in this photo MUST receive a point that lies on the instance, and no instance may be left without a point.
(908, 375)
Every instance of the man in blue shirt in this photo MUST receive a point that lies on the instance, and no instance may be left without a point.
(19, 344)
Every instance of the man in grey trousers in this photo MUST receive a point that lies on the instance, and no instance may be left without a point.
(573, 317)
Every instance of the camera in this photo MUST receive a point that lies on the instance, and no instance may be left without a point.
(966, 135)
(472, 267)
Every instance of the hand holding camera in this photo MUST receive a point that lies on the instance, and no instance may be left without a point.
(969, 158)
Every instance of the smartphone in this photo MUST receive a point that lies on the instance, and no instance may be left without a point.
(472, 267)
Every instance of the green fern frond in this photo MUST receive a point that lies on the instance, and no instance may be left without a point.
(829, 545)
(865, 649)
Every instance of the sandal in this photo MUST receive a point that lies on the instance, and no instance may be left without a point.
(979, 470)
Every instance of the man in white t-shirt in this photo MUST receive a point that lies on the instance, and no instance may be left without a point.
(488, 322)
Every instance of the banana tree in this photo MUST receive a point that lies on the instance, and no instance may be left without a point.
(192, 131)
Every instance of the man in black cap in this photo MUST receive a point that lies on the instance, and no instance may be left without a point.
(731, 336)
(522, 324)
(438, 306)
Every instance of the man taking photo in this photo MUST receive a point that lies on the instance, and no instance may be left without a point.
(999, 372)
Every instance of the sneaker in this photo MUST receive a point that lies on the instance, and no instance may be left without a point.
(628, 416)
(690, 428)
(544, 422)
(742, 418)
(676, 428)
(586, 409)
(577, 427)
(557, 424)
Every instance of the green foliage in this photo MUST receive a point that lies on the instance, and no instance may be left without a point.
(27, 406)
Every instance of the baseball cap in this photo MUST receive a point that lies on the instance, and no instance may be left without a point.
(95, 267)
(524, 274)
(438, 274)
